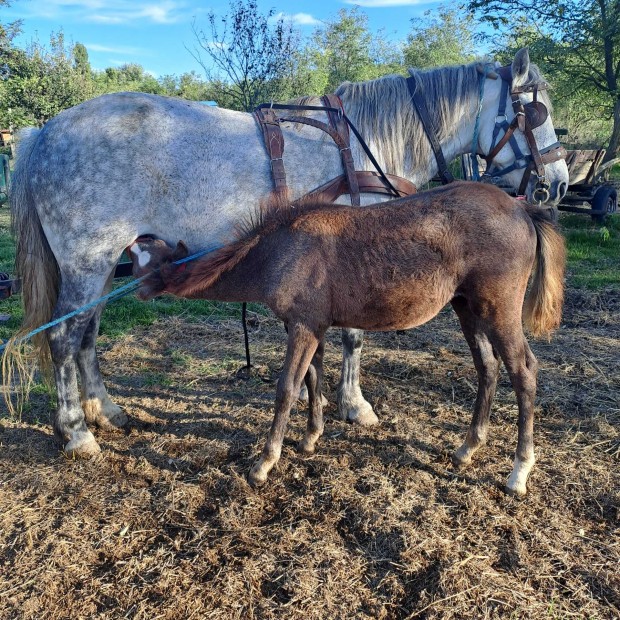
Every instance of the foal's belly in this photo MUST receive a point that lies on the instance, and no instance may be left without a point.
(391, 312)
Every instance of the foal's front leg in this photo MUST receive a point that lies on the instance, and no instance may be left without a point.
(352, 405)
(302, 344)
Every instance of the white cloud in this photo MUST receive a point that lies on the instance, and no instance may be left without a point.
(301, 19)
(386, 3)
(112, 11)
(120, 49)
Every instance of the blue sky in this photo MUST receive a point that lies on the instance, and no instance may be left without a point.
(157, 33)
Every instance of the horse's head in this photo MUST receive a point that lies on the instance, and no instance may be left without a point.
(517, 136)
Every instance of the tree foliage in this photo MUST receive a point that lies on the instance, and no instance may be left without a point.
(444, 36)
(252, 54)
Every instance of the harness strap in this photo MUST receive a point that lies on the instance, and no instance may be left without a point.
(369, 183)
(420, 106)
(274, 143)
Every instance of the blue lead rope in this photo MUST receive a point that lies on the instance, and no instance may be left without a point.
(111, 296)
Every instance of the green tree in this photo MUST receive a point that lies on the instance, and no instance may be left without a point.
(80, 59)
(345, 50)
(444, 36)
(247, 55)
(42, 82)
(578, 40)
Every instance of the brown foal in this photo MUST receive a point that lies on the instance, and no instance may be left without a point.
(385, 267)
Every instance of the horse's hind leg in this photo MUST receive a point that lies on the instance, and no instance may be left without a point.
(314, 383)
(65, 341)
(486, 362)
(97, 405)
(301, 347)
(352, 405)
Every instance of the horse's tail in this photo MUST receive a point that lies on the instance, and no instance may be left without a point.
(542, 310)
(36, 265)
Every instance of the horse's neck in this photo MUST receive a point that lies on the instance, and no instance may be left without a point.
(416, 162)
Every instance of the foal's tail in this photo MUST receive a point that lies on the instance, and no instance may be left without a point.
(36, 265)
(542, 310)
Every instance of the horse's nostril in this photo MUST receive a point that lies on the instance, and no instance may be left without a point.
(562, 187)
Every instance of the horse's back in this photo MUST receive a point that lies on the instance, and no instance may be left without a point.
(126, 164)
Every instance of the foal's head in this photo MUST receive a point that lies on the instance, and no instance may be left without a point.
(149, 257)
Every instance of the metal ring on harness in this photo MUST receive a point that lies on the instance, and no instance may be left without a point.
(541, 192)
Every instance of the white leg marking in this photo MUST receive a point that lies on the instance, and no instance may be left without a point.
(518, 478)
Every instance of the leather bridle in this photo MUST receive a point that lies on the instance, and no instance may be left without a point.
(528, 116)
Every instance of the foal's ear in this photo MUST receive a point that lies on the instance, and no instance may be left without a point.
(180, 251)
(520, 68)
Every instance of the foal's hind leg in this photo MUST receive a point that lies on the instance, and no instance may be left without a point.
(522, 368)
(302, 344)
(314, 383)
(486, 362)
(352, 405)
(97, 405)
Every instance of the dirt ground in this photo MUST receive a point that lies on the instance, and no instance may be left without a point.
(378, 524)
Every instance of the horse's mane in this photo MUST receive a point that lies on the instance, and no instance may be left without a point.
(382, 111)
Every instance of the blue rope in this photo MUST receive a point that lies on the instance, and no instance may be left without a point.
(111, 296)
(474, 142)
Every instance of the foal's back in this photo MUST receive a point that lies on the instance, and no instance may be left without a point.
(395, 265)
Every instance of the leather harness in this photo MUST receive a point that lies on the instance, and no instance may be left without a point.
(352, 182)
(528, 116)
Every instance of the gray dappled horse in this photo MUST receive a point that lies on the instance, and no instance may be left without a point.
(101, 174)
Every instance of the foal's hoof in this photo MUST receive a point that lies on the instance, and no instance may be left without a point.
(257, 477)
(83, 445)
(461, 458)
(305, 447)
(303, 396)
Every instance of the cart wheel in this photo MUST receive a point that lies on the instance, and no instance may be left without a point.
(604, 202)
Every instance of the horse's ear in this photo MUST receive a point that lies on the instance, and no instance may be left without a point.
(520, 68)
(180, 251)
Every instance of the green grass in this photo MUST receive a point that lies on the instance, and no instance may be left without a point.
(593, 251)
(593, 263)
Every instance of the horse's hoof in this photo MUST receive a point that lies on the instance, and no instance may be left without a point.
(83, 445)
(519, 491)
(112, 420)
(305, 447)
(461, 458)
(104, 414)
(362, 415)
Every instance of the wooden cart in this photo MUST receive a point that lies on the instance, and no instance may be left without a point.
(589, 189)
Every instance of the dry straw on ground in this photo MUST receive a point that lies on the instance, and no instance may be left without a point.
(377, 524)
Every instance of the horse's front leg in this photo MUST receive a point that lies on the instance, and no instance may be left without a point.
(301, 347)
(314, 383)
(352, 405)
